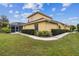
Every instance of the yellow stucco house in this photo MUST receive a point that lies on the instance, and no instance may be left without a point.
(42, 22)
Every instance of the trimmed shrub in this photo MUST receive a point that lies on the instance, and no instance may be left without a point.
(29, 31)
(58, 31)
(43, 33)
(5, 30)
(72, 28)
(67, 30)
(78, 27)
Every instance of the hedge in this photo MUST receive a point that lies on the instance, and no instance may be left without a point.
(58, 31)
(29, 31)
(5, 30)
(43, 33)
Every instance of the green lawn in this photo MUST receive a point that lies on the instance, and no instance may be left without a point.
(20, 45)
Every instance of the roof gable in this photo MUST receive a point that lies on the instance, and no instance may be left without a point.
(39, 13)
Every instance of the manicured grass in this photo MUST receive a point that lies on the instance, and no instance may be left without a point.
(20, 45)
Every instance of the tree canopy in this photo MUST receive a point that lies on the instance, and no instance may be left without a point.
(78, 27)
(4, 22)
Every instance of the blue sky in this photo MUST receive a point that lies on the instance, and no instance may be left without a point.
(67, 13)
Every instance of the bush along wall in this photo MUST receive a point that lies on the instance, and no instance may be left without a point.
(58, 31)
(43, 33)
(5, 30)
(29, 31)
(78, 27)
(37, 33)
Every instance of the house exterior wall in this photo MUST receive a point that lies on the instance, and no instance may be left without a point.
(37, 16)
(47, 26)
(50, 26)
(30, 26)
(42, 26)
(61, 26)
(67, 27)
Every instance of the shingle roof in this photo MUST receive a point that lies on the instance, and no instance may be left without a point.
(40, 20)
(43, 19)
(17, 24)
(39, 13)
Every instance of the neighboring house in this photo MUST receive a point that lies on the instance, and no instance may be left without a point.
(16, 26)
(41, 22)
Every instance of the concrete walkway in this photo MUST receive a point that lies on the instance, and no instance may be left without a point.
(43, 38)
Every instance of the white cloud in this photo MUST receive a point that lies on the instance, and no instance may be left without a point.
(33, 6)
(60, 14)
(65, 6)
(22, 16)
(22, 19)
(63, 9)
(4, 4)
(71, 18)
(51, 15)
(28, 5)
(11, 11)
(16, 16)
(25, 15)
(16, 12)
(53, 9)
(10, 5)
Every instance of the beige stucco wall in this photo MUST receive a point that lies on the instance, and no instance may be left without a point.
(61, 26)
(46, 26)
(50, 26)
(30, 26)
(67, 27)
(37, 16)
(42, 26)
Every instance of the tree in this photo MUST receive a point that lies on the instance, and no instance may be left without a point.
(6, 29)
(78, 27)
(72, 28)
(4, 22)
